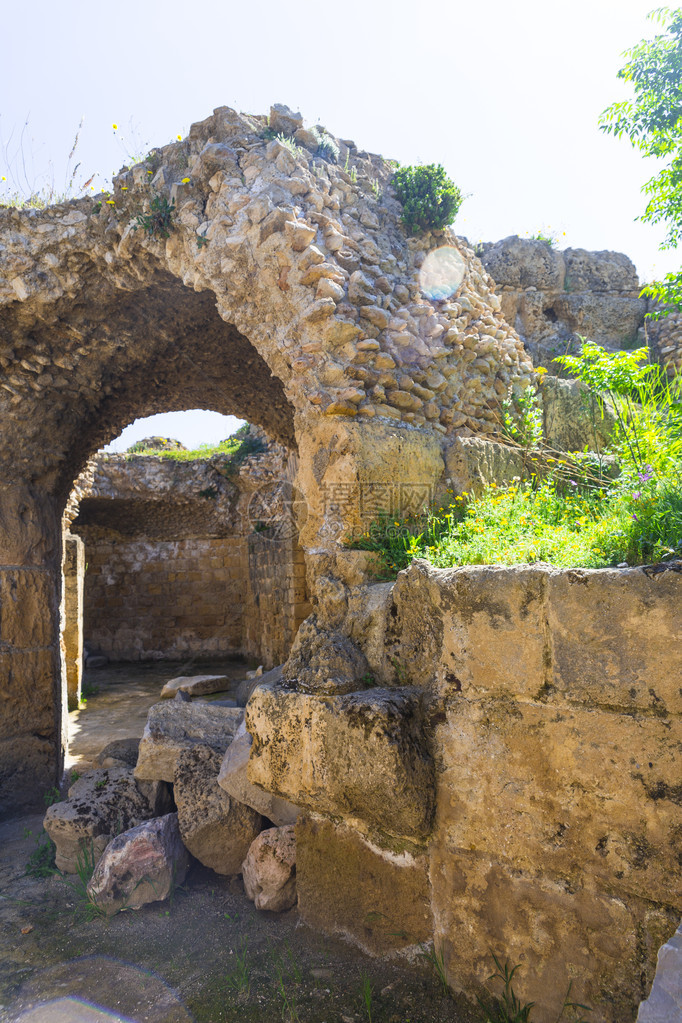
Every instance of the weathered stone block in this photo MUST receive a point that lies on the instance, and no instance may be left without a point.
(30, 687)
(378, 897)
(556, 933)
(195, 685)
(101, 804)
(27, 599)
(216, 828)
(615, 636)
(173, 727)
(27, 770)
(233, 779)
(574, 793)
(472, 463)
(361, 755)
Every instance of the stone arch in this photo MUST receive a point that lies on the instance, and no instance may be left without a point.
(302, 275)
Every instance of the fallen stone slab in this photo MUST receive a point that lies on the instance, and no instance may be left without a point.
(214, 826)
(233, 779)
(195, 685)
(361, 755)
(142, 865)
(100, 805)
(174, 726)
(269, 870)
(664, 1004)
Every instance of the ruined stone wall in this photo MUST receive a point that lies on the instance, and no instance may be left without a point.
(174, 566)
(554, 296)
(73, 576)
(165, 599)
(515, 774)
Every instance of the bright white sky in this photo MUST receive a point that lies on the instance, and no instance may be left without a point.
(506, 96)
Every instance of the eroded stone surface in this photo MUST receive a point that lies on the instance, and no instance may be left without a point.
(361, 755)
(142, 865)
(552, 297)
(100, 805)
(215, 827)
(377, 896)
(172, 727)
(269, 870)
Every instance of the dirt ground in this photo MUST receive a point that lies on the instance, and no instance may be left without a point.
(207, 955)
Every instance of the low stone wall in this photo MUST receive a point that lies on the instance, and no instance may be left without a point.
(548, 826)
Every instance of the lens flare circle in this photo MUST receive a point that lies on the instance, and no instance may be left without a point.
(441, 273)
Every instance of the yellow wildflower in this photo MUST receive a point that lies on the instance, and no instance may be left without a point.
(179, 138)
(185, 181)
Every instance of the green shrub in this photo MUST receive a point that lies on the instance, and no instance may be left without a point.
(430, 199)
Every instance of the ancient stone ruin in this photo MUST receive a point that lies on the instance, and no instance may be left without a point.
(476, 757)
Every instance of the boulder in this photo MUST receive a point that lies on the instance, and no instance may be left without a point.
(195, 685)
(600, 272)
(362, 755)
(101, 805)
(324, 660)
(269, 870)
(142, 865)
(521, 263)
(119, 753)
(284, 121)
(214, 826)
(173, 726)
(233, 779)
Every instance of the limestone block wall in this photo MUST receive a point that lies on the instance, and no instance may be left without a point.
(527, 725)
(277, 598)
(165, 599)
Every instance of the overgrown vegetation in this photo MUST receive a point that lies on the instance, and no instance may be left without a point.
(569, 511)
(430, 199)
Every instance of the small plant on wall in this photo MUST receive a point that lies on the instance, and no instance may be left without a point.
(158, 219)
(430, 199)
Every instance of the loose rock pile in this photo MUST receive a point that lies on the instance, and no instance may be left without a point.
(120, 821)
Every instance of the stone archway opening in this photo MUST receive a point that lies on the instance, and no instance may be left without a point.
(187, 561)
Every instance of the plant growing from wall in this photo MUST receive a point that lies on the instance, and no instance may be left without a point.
(430, 199)
(158, 218)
